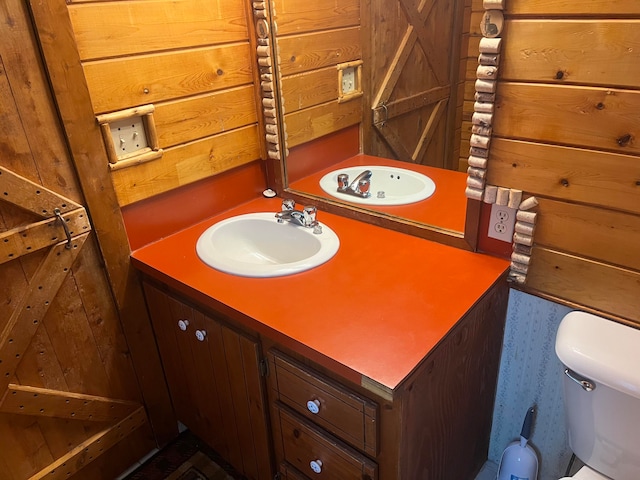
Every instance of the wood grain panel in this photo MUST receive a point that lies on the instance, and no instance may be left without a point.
(235, 365)
(309, 89)
(228, 426)
(164, 76)
(184, 120)
(187, 163)
(295, 16)
(609, 236)
(27, 400)
(312, 123)
(567, 173)
(456, 382)
(317, 50)
(586, 282)
(110, 29)
(577, 51)
(570, 7)
(583, 116)
(71, 463)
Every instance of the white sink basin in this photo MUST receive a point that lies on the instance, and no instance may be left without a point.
(398, 186)
(256, 245)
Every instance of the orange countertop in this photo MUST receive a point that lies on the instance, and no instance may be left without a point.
(375, 310)
(446, 208)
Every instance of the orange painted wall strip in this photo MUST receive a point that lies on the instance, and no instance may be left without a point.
(157, 217)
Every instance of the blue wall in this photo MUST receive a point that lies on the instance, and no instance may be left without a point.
(530, 373)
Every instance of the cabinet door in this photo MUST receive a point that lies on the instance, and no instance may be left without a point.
(214, 379)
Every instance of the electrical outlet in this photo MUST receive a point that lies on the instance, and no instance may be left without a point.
(502, 222)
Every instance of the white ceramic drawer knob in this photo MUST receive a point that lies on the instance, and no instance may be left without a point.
(316, 466)
(183, 324)
(313, 406)
(200, 334)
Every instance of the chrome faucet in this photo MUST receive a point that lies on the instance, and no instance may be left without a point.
(359, 187)
(306, 218)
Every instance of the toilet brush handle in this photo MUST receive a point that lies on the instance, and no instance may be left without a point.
(528, 421)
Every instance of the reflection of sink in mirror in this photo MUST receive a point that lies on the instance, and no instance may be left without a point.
(389, 185)
(256, 245)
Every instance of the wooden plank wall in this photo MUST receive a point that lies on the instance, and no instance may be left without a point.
(470, 49)
(567, 130)
(312, 38)
(194, 60)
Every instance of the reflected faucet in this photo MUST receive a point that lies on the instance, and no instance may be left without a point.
(306, 218)
(359, 187)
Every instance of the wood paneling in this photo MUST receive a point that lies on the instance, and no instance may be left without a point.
(596, 118)
(124, 82)
(312, 39)
(186, 164)
(565, 130)
(566, 173)
(194, 60)
(184, 120)
(598, 52)
(569, 7)
(109, 29)
(309, 89)
(296, 16)
(470, 49)
(586, 282)
(312, 123)
(311, 51)
(613, 237)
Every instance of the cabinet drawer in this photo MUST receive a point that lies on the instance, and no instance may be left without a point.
(327, 403)
(287, 472)
(318, 455)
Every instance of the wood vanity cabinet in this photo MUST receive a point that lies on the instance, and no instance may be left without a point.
(213, 373)
(435, 425)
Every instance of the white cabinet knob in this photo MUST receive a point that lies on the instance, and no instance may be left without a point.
(316, 466)
(200, 334)
(183, 324)
(313, 406)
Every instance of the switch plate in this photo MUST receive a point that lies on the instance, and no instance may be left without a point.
(128, 135)
(348, 80)
(502, 222)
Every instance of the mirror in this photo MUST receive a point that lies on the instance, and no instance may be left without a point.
(360, 83)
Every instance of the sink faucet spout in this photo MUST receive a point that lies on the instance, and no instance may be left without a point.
(359, 187)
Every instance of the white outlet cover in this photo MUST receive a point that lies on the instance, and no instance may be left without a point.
(128, 135)
(502, 223)
(348, 80)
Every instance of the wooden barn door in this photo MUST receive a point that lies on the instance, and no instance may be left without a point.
(413, 61)
(69, 398)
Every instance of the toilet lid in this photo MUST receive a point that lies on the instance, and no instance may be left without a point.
(585, 473)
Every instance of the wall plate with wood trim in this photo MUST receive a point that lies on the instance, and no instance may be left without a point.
(349, 80)
(130, 136)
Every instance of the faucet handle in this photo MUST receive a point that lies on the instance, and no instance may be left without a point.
(310, 214)
(288, 204)
(364, 184)
(343, 181)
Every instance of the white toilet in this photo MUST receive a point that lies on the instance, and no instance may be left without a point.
(601, 395)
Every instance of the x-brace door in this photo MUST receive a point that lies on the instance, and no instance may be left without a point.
(62, 230)
(412, 56)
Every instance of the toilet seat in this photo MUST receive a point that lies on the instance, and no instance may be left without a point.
(586, 473)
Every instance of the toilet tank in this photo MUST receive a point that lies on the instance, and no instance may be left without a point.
(604, 423)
